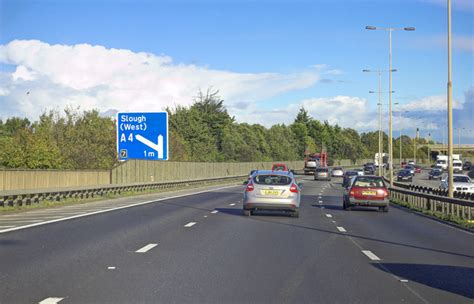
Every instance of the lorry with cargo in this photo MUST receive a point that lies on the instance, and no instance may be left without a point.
(313, 161)
(442, 160)
(384, 160)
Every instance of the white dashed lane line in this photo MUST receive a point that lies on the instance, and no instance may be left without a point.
(214, 212)
(51, 300)
(111, 268)
(328, 215)
(146, 248)
(232, 204)
(190, 224)
(370, 255)
(341, 229)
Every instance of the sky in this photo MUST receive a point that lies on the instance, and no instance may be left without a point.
(267, 58)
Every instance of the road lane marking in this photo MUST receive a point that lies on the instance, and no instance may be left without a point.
(146, 248)
(370, 255)
(328, 215)
(5, 227)
(333, 222)
(205, 216)
(214, 212)
(111, 267)
(51, 300)
(341, 229)
(404, 281)
(320, 202)
(232, 204)
(190, 224)
(40, 223)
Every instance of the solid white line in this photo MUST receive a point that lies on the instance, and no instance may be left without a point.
(51, 301)
(190, 224)
(233, 204)
(112, 209)
(341, 229)
(215, 211)
(370, 255)
(328, 215)
(4, 227)
(146, 248)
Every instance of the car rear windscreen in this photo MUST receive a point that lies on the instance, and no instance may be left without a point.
(278, 168)
(276, 180)
(461, 179)
(322, 170)
(369, 182)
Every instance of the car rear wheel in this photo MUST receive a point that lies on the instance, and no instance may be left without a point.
(247, 212)
(383, 209)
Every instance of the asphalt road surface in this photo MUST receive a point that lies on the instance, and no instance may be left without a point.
(200, 249)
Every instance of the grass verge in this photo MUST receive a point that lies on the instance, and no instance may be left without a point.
(77, 201)
(438, 215)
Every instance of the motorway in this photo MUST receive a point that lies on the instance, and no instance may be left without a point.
(200, 249)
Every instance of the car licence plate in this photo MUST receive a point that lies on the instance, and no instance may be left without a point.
(270, 192)
(369, 192)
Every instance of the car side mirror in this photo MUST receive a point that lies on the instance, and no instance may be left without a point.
(245, 182)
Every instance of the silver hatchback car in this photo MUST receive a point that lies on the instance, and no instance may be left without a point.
(272, 190)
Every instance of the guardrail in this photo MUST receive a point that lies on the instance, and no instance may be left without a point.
(435, 191)
(28, 197)
(461, 208)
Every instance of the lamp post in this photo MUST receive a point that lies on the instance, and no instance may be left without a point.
(390, 143)
(450, 110)
(380, 120)
(459, 139)
(401, 140)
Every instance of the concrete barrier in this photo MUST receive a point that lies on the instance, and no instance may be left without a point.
(140, 171)
(39, 179)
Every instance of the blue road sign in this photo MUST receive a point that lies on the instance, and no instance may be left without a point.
(142, 135)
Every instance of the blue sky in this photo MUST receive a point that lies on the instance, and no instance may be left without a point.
(267, 58)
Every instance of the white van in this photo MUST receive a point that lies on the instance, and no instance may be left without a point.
(457, 165)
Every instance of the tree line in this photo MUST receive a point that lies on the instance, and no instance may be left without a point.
(202, 132)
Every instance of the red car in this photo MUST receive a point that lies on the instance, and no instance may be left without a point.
(417, 169)
(368, 191)
(280, 167)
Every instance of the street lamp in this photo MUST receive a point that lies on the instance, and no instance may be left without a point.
(390, 146)
(450, 110)
(380, 122)
(401, 141)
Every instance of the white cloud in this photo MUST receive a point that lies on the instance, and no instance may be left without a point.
(430, 104)
(102, 78)
(346, 111)
(23, 73)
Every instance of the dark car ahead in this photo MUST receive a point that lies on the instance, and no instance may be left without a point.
(435, 174)
(404, 176)
(467, 165)
(369, 191)
(369, 170)
(347, 177)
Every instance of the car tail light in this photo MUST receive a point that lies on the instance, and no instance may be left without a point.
(250, 187)
(352, 193)
(383, 192)
(294, 188)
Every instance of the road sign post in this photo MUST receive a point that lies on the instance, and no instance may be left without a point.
(142, 135)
